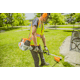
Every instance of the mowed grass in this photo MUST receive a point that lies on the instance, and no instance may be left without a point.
(12, 56)
(14, 28)
(64, 26)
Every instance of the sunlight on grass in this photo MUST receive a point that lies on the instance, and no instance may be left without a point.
(12, 56)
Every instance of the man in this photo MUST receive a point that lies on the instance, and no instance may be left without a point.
(37, 32)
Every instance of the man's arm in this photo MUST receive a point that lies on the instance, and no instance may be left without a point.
(44, 42)
(43, 39)
(34, 35)
(34, 28)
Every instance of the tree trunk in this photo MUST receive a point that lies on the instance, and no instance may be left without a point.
(21, 27)
(7, 26)
(73, 27)
(12, 25)
(55, 26)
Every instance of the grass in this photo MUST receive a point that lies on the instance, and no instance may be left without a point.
(12, 56)
(14, 28)
(64, 26)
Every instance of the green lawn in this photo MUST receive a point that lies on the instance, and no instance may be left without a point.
(12, 56)
(14, 28)
(64, 26)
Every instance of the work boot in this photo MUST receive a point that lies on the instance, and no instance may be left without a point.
(44, 64)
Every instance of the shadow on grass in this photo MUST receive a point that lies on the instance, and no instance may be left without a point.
(63, 27)
(68, 30)
(71, 30)
(46, 31)
(8, 29)
(1, 56)
(0, 62)
(66, 64)
(53, 26)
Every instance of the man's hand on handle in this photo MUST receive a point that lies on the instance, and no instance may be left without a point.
(45, 48)
(36, 49)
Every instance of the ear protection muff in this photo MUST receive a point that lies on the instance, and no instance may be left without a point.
(44, 15)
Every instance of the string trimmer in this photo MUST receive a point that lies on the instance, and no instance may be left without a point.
(56, 58)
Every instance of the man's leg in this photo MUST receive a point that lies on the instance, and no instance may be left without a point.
(35, 57)
(41, 55)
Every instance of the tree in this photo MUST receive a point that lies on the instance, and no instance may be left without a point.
(9, 19)
(12, 19)
(37, 14)
(26, 22)
(70, 19)
(56, 18)
(19, 19)
(2, 19)
(77, 17)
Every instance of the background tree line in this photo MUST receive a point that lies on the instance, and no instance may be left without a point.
(13, 19)
(61, 19)
(19, 19)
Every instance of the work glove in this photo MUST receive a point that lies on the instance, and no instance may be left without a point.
(36, 49)
(45, 48)
(30, 48)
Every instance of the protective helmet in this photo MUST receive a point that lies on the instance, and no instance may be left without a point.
(25, 44)
(44, 15)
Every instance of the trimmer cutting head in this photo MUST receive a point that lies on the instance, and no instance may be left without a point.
(57, 59)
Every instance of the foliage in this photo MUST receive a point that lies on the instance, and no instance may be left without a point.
(37, 14)
(13, 19)
(26, 22)
(70, 18)
(2, 19)
(77, 17)
(56, 18)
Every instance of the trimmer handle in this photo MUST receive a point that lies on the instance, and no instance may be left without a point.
(46, 51)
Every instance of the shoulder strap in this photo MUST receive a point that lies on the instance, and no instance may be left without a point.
(39, 23)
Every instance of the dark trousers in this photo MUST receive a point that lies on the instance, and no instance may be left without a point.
(36, 58)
